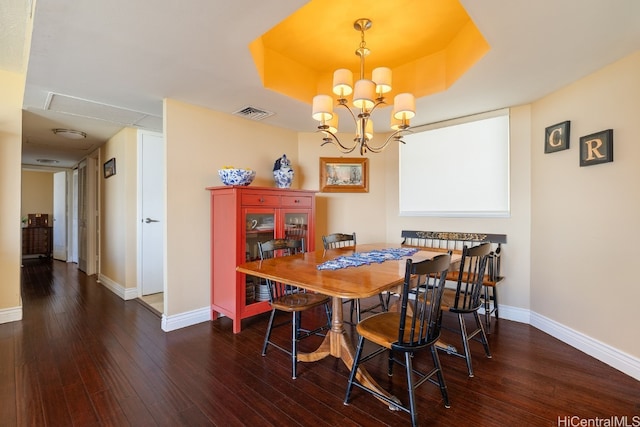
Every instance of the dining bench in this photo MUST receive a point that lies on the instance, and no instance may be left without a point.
(446, 241)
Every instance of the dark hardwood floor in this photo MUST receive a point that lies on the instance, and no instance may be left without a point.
(83, 357)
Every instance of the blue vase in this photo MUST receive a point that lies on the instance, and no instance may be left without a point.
(283, 177)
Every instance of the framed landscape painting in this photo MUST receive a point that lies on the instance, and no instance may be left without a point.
(344, 175)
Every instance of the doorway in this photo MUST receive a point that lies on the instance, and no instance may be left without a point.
(151, 224)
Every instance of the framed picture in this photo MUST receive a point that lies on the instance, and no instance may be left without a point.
(344, 175)
(596, 148)
(110, 167)
(556, 137)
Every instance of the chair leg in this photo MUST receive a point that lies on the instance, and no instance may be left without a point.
(465, 343)
(294, 343)
(383, 303)
(412, 397)
(483, 336)
(354, 369)
(327, 310)
(487, 308)
(441, 383)
(267, 336)
(495, 300)
(391, 362)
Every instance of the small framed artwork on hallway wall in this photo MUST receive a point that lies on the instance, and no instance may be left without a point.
(110, 167)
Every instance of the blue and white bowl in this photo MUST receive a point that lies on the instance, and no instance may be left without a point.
(236, 176)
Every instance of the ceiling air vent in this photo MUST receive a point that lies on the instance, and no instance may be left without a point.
(253, 113)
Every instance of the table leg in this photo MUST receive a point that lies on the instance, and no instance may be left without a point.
(337, 344)
(336, 339)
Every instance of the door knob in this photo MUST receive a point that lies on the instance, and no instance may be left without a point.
(148, 220)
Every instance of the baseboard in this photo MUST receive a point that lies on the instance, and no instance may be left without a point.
(13, 314)
(188, 318)
(516, 314)
(611, 356)
(124, 293)
(605, 353)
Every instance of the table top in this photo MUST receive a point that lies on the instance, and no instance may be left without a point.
(351, 282)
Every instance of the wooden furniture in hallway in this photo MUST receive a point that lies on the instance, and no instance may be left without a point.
(37, 240)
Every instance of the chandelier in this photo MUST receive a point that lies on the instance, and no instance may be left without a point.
(367, 96)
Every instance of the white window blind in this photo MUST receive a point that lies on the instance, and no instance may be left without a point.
(458, 168)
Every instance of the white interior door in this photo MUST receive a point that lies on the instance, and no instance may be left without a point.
(152, 225)
(60, 216)
(82, 216)
(74, 219)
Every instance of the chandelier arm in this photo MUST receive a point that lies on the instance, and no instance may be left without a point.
(397, 135)
(379, 101)
(342, 104)
(335, 141)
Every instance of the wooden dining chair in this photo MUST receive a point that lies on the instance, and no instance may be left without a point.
(466, 300)
(343, 240)
(290, 299)
(415, 328)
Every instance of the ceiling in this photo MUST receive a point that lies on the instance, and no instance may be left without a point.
(116, 60)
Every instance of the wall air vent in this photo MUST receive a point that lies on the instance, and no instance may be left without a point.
(253, 113)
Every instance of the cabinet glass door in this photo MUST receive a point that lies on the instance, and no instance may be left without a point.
(259, 227)
(296, 225)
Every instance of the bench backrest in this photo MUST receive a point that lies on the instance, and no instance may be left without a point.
(455, 241)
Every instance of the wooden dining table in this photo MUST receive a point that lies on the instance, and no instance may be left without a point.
(351, 282)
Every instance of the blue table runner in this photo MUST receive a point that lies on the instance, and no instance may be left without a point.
(364, 258)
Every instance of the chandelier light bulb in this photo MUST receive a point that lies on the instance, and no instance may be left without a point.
(333, 124)
(404, 105)
(364, 94)
(398, 124)
(342, 82)
(382, 77)
(368, 129)
(322, 108)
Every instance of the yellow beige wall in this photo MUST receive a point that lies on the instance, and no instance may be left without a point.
(11, 88)
(585, 219)
(199, 142)
(118, 200)
(362, 213)
(558, 210)
(37, 193)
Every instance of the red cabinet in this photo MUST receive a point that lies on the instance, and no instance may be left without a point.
(240, 218)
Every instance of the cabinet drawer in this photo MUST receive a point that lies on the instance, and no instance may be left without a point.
(296, 201)
(260, 200)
